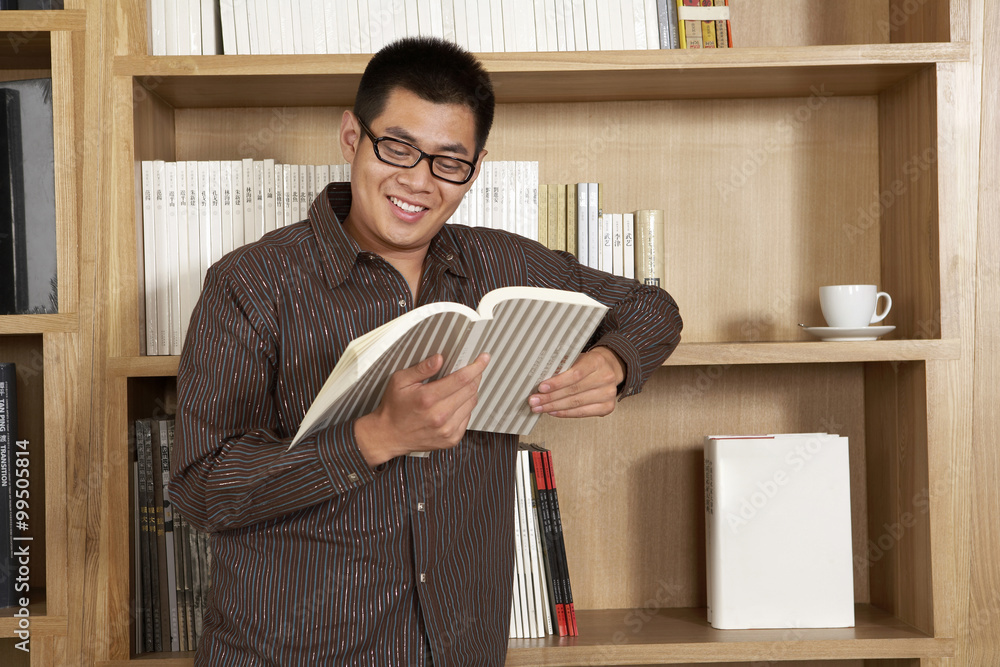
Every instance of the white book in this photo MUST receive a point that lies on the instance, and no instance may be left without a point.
(258, 199)
(184, 303)
(616, 29)
(279, 196)
(365, 26)
(270, 209)
(194, 24)
(285, 24)
(424, 17)
(607, 243)
(170, 29)
(226, 197)
(639, 20)
(227, 15)
(340, 23)
(310, 185)
(533, 200)
(149, 255)
(319, 28)
(778, 531)
(628, 244)
(274, 36)
(162, 262)
(306, 26)
(448, 20)
(617, 244)
(580, 26)
(303, 191)
(532, 578)
(242, 21)
(411, 11)
(194, 235)
(525, 17)
(541, 36)
(484, 9)
(489, 194)
(461, 24)
(521, 563)
(239, 231)
(182, 19)
(570, 26)
(296, 205)
(260, 21)
(542, 619)
(553, 325)
(650, 248)
(652, 24)
(158, 27)
(593, 29)
(286, 194)
(437, 18)
(628, 25)
(510, 31)
(582, 222)
(497, 27)
(322, 177)
(249, 222)
(516, 632)
(501, 211)
(560, 24)
(518, 185)
(215, 208)
(295, 10)
(604, 26)
(593, 228)
(211, 37)
(354, 25)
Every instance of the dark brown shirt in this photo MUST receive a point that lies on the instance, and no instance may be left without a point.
(318, 559)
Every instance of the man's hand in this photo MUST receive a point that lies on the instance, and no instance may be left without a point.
(587, 389)
(419, 416)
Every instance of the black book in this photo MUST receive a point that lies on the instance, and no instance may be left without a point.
(27, 196)
(8, 436)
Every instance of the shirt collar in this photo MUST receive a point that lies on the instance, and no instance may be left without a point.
(341, 252)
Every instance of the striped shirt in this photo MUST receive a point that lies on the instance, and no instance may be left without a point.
(317, 558)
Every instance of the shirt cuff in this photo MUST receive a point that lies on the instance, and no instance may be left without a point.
(629, 355)
(339, 454)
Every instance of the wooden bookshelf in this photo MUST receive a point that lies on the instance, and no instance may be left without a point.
(658, 130)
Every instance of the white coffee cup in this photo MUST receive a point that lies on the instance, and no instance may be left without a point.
(852, 306)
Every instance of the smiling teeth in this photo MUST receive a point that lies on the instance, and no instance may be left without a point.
(409, 208)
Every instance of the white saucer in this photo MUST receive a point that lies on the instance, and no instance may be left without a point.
(848, 333)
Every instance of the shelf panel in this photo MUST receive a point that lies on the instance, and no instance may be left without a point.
(634, 636)
(39, 324)
(24, 35)
(331, 80)
(805, 352)
(40, 625)
(689, 354)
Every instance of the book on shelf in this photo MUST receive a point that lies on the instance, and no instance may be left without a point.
(27, 189)
(171, 576)
(531, 334)
(650, 247)
(778, 531)
(704, 24)
(8, 438)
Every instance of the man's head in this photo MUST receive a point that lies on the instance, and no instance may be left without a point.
(433, 69)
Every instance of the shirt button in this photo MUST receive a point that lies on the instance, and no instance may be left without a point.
(402, 303)
(449, 257)
(423, 577)
(353, 476)
(420, 507)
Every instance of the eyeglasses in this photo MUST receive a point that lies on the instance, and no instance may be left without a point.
(401, 154)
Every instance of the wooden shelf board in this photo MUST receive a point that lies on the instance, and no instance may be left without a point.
(25, 41)
(39, 324)
(40, 624)
(331, 80)
(797, 352)
(154, 366)
(636, 636)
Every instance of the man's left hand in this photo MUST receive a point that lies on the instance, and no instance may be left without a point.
(587, 389)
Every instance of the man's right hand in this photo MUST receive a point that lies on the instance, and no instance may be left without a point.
(419, 416)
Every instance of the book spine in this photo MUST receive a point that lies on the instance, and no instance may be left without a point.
(710, 527)
(553, 566)
(185, 305)
(628, 244)
(523, 575)
(149, 255)
(145, 563)
(536, 527)
(724, 37)
(571, 219)
(173, 277)
(542, 235)
(650, 264)
(708, 29)
(8, 436)
(561, 543)
(163, 264)
(532, 540)
(239, 230)
(193, 235)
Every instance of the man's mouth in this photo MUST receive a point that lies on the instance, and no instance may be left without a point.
(409, 208)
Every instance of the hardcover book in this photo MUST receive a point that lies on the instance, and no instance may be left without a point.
(778, 532)
(531, 334)
(8, 436)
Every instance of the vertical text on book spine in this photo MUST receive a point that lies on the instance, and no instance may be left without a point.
(22, 549)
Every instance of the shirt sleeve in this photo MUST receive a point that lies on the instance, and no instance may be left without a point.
(643, 324)
(230, 466)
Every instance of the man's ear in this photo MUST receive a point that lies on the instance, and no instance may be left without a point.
(479, 165)
(350, 135)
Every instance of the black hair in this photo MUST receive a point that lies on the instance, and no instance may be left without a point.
(433, 69)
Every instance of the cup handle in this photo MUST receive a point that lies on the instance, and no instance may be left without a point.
(878, 317)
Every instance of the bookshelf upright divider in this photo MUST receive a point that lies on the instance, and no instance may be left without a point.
(773, 163)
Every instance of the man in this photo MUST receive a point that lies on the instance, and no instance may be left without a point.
(343, 550)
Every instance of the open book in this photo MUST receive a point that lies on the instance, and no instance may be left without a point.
(530, 333)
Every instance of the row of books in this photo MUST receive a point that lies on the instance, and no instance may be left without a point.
(194, 212)
(542, 603)
(27, 198)
(778, 531)
(173, 559)
(195, 27)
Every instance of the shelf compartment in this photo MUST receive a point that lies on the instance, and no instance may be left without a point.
(25, 36)
(681, 635)
(331, 80)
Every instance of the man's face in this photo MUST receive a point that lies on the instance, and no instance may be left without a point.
(395, 212)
